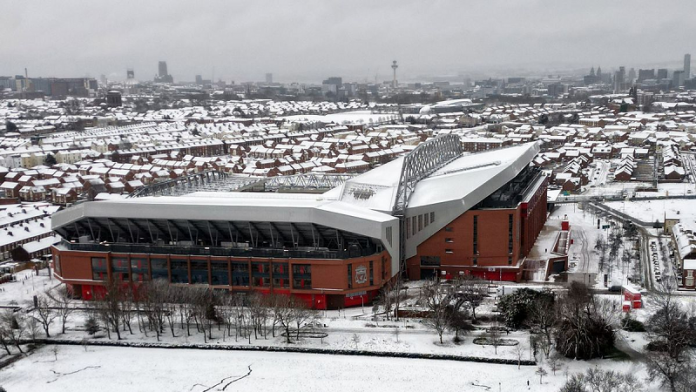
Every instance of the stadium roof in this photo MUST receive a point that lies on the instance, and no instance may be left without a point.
(473, 176)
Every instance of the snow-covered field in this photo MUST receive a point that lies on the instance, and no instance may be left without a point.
(108, 369)
(651, 210)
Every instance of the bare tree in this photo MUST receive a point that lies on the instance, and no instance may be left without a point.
(542, 315)
(32, 326)
(519, 353)
(435, 300)
(541, 372)
(283, 314)
(14, 326)
(110, 307)
(154, 297)
(301, 314)
(62, 300)
(598, 380)
(44, 314)
(355, 339)
(258, 312)
(555, 364)
(5, 337)
(386, 299)
(468, 291)
(671, 334)
(495, 337)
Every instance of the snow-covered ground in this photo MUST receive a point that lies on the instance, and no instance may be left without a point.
(354, 117)
(27, 285)
(651, 210)
(145, 369)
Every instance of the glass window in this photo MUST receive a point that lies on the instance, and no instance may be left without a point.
(160, 270)
(260, 274)
(179, 271)
(430, 260)
(240, 274)
(372, 272)
(99, 268)
(219, 272)
(120, 268)
(350, 276)
(281, 275)
(510, 233)
(475, 232)
(302, 276)
(139, 269)
(199, 271)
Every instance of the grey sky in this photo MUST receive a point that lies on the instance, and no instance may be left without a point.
(309, 40)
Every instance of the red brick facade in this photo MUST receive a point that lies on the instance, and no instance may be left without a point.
(503, 237)
(326, 283)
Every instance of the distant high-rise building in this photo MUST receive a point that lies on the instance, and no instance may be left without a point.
(162, 69)
(332, 85)
(269, 78)
(199, 79)
(662, 73)
(163, 75)
(619, 80)
(632, 75)
(678, 78)
(644, 74)
(687, 66)
(130, 74)
(394, 66)
(103, 80)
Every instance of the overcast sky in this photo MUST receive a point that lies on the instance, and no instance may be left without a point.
(310, 40)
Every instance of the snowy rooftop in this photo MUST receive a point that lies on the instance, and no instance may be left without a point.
(470, 173)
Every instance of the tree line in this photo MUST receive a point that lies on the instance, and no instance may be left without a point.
(159, 308)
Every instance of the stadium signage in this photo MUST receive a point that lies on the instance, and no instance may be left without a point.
(361, 275)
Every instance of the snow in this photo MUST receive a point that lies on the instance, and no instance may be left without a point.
(354, 117)
(652, 210)
(150, 369)
(27, 285)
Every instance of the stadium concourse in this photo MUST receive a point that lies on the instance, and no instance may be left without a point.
(434, 211)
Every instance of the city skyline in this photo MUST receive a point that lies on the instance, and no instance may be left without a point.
(358, 42)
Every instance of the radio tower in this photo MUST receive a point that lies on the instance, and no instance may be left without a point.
(394, 67)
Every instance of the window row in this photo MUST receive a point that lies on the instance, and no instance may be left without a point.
(417, 223)
(218, 272)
